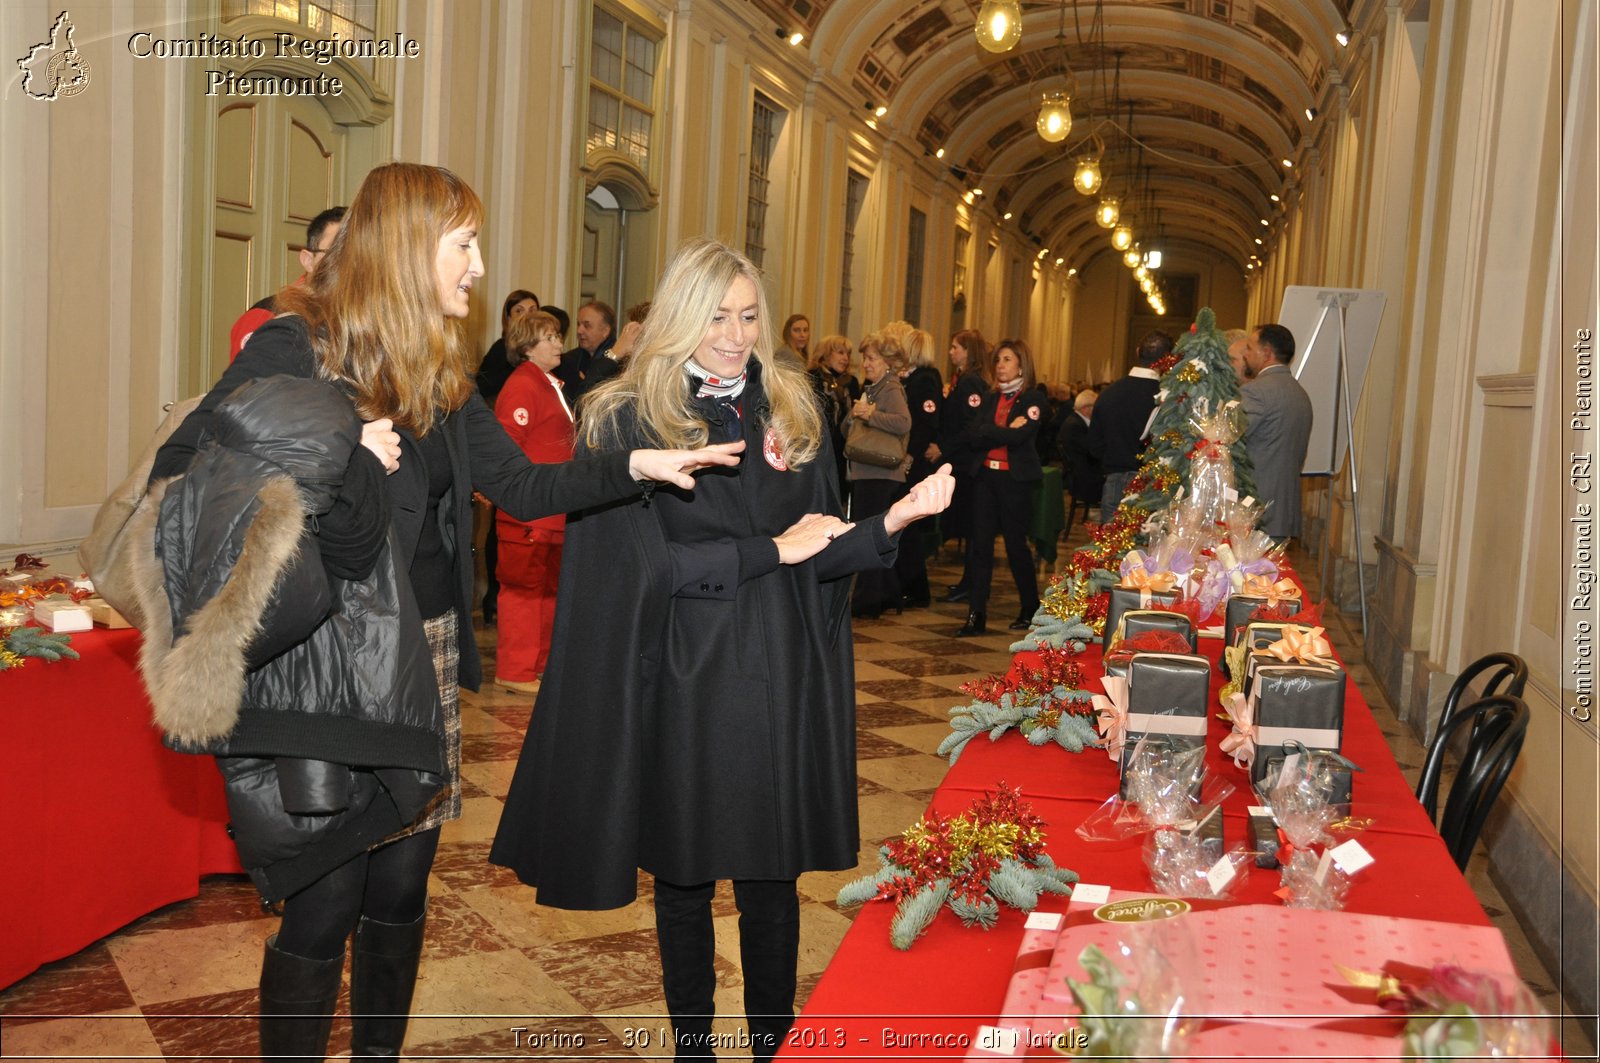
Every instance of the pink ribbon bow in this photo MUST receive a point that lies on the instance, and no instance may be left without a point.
(1241, 744)
(1111, 710)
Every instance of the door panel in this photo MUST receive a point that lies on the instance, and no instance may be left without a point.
(276, 164)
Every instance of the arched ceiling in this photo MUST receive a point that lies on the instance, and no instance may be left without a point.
(1218, 91)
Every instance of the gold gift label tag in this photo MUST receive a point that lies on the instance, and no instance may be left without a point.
(1141, 910)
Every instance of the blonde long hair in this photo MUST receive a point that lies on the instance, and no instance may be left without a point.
(653, 390)
(372, 306)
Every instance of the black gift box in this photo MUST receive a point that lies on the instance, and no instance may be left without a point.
(1264, 840)
(1258, 635)
(1237, 614)
(1167, 696)
(1125, 598)
(1209, 831)
(1139, 621)
(1297, 703)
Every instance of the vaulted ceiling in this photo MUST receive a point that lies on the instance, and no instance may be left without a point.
(1215, 94)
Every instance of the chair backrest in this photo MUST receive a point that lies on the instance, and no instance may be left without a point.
(1498, 726)
(1503, 669)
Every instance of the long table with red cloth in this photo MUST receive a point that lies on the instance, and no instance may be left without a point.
(953, 979)
(103, 823)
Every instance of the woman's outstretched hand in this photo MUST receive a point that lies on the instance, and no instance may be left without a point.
(809, 536)
(930, 496)
(674, 466)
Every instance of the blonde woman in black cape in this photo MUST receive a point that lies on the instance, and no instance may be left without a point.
(697, 718)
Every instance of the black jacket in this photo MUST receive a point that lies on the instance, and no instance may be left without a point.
(1021, 454)
(1120, 415)
(697, 718)
(925, 398)
(482, 457)
(317, 695)
(966, 392)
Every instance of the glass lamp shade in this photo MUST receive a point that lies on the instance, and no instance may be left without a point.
(1131, 256)
(1087, 178)
(1142, 273)
(1055, 117)
(1122, 237)
(999, 25)
(1108, 212)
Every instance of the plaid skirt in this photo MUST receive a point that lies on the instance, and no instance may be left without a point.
(444, 644)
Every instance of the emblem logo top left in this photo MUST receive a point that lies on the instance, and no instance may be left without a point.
(55, 69)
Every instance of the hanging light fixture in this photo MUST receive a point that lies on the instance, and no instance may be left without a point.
(1122, 236)
(1132, 255)
(1087, 177)
(1055, 117)
(1143, 274)
(1055, 108)
(1108, 212)
(999, 25)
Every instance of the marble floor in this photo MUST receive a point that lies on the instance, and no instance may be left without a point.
(504, 979)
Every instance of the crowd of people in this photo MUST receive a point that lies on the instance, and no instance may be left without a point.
(682, 514)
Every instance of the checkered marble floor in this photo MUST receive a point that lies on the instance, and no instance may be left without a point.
(179, 983)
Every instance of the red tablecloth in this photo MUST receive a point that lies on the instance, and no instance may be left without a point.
(104, 824)
(875, 1001)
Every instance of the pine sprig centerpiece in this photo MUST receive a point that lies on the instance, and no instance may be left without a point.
(991, 853)
(1044, 700)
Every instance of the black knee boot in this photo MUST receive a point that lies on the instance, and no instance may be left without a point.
(383, 973)
(769, 951)
(297, 999)
(688, 964)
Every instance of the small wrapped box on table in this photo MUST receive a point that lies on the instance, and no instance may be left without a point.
(1166, 696)
(1125, 598)
(1298, 703)
(61, 613)
(1264, 839)
(1135, 622)
(1240, 607)
(1255, 638)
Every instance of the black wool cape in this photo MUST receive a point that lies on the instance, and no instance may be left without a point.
(697, 719)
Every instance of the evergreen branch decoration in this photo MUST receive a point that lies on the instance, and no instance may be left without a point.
(993, 853)
(19, 644)
(1045, 702)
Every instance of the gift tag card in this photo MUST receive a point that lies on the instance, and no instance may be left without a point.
(1260, 810)
(1043, 921)
(1322, 867)
(1230, 494)
(1249, 500)
(1090, 893)
(1220, 875)
(1351, 857)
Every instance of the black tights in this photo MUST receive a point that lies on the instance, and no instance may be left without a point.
(389, 884)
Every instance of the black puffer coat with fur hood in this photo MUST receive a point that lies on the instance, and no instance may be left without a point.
(316, 694)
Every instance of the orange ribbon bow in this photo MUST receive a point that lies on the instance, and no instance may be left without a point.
(1259, 586)
(1303, 644)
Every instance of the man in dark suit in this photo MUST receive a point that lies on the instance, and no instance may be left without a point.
(1120, 418)
(589, 362)
(1278, 428)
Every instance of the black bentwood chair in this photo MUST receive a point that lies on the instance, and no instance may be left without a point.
(1498, 725)
(1498, 668)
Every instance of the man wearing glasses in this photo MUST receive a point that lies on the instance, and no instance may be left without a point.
(319, 238)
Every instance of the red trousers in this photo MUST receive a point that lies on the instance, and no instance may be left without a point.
(529, 570)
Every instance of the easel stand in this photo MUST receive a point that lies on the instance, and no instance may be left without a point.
(1331, 301)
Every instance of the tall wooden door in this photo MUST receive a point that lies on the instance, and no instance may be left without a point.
(277, 162)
